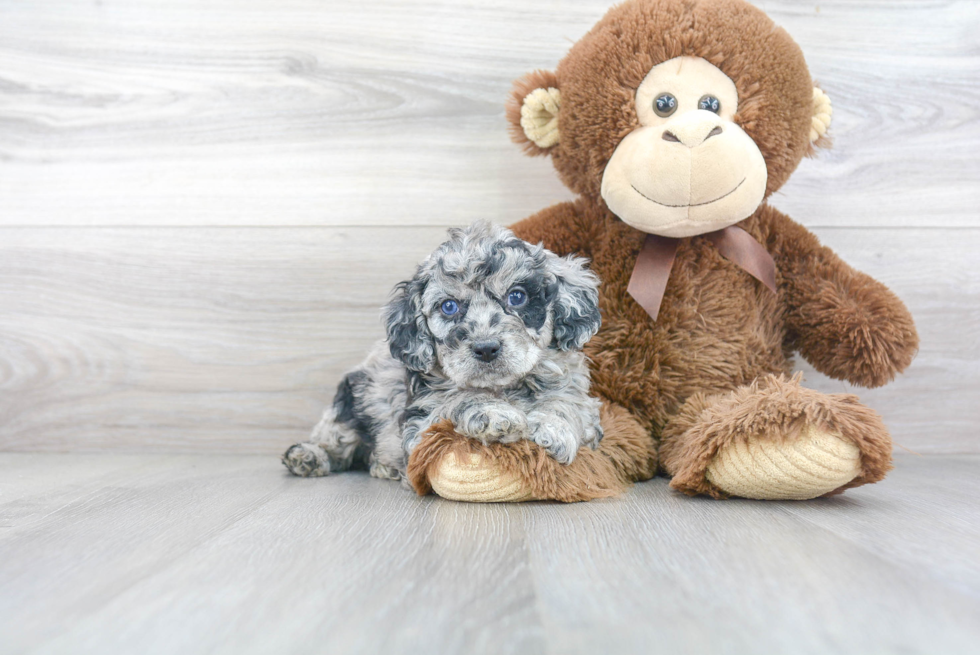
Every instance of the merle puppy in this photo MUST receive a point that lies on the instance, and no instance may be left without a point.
(487, 334)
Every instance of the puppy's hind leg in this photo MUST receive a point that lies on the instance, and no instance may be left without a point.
(330, 449)
(334, 442)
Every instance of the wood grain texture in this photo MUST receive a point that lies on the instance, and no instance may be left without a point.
(207, 340)
(228, 554)
(167, 339)
(391, 112)
(202, 207)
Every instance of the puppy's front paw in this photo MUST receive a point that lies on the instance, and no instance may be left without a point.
(556, 436)
(306, 460)
(492, 422)
(593, 435)
(378, 470)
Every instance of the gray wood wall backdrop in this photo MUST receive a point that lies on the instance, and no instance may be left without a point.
(204, 204)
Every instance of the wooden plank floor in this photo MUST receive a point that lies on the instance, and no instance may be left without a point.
(110, 553)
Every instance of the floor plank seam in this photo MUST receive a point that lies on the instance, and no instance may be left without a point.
(906, 568)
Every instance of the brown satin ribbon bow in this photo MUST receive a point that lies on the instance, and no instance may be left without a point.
(649, 279)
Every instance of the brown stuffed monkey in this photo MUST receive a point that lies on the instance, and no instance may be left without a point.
(674, 121)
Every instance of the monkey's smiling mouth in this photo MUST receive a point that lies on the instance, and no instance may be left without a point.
(699, 204)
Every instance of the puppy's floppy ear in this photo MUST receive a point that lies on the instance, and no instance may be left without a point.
(409, 339)
(576, 302)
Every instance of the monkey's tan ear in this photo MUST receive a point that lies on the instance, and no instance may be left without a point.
(820, 120)
(532, 111)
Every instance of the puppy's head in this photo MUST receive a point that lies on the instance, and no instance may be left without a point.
(483, 307)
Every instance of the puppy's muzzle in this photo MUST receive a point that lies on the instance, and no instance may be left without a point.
(486, 351)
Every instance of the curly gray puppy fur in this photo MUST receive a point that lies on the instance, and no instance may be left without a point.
(487, 334)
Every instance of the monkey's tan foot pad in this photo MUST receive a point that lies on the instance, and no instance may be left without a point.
(815, 463)
(471, 478)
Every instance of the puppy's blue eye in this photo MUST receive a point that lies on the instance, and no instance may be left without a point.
(516, 297)
(449, 307)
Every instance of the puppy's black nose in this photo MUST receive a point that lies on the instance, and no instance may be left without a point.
(486, 350)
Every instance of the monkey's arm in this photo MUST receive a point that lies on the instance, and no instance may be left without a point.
(563, 229)
(845, 323)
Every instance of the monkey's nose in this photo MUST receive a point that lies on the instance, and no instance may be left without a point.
(691, 135)
(486, 351)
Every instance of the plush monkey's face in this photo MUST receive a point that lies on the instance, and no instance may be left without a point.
(681, 116)
(687, 168)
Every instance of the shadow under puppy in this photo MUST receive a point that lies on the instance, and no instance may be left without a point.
(487, 334)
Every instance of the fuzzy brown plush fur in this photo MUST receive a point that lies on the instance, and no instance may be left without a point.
(598, 79)
(774, 408)
(707, 371)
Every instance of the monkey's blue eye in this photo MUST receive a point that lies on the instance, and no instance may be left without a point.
(709, 103)
(516, 297)
(449, 307)
(665, 104)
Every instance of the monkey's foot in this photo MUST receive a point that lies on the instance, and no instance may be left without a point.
(774, 440)
(464, 469)
(471, 478)
(815, 463)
